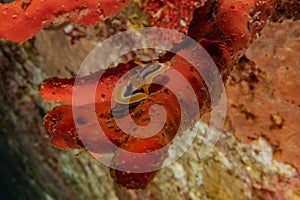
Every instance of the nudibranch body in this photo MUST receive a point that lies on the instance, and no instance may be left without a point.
(137, 88)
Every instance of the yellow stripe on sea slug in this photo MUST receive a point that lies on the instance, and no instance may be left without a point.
(122, 98)
(145, 76)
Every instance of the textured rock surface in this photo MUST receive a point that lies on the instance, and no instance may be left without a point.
(31, 168)
(263, 95)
